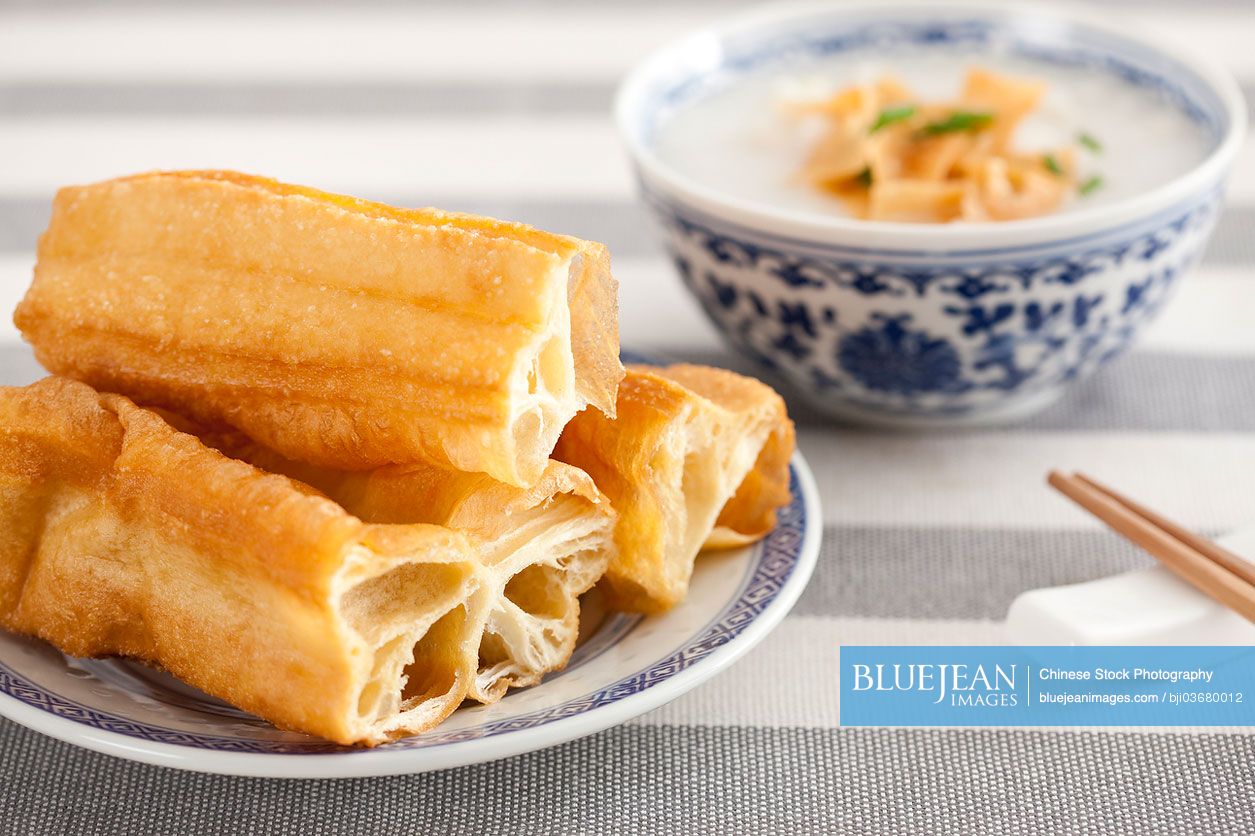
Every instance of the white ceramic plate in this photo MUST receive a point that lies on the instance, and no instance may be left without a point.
(625, 666)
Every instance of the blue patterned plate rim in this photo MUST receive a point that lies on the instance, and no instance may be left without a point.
(774, 577)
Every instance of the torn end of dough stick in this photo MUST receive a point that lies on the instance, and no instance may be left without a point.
(543, 548)
(123, 536)
(336, 331)
(695, 458)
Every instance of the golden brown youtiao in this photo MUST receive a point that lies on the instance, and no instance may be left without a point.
(335, 331)
(121, 535)
(695, 458)
(540, 548)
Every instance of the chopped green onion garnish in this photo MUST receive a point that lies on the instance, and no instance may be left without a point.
(890, 115)
(1052, 164)
(1089, 141)
(1090, 185)
(864, 178)
(961, 120)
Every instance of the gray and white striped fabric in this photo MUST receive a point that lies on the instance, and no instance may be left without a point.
(503, 109)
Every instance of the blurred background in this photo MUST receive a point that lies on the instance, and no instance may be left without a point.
(495, 108)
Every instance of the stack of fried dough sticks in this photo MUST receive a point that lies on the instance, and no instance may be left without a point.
(345, 465)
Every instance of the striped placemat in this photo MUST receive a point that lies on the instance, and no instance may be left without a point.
(503, 109)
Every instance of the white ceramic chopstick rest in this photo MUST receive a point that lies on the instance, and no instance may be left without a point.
(1143, 607)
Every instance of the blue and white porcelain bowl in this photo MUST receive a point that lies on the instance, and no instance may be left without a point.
(945, 324)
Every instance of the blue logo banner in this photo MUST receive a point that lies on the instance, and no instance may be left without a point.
(1047, 686)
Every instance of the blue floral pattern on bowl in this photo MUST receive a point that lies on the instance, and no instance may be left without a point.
(904, 335)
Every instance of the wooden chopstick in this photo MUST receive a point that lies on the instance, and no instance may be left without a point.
(1210, 549)
(1195, 566)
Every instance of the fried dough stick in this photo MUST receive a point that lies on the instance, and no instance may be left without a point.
(335, 331)
(120, 535)
(540, 547)
(695, 458)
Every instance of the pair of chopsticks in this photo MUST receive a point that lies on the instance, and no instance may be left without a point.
(1210, 568)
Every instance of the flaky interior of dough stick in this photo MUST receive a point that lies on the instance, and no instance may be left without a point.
(412, 617)
(336, 331)
(541, 558)
(121, 535)
(695, 458)
(539, 548)
(751, 512)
